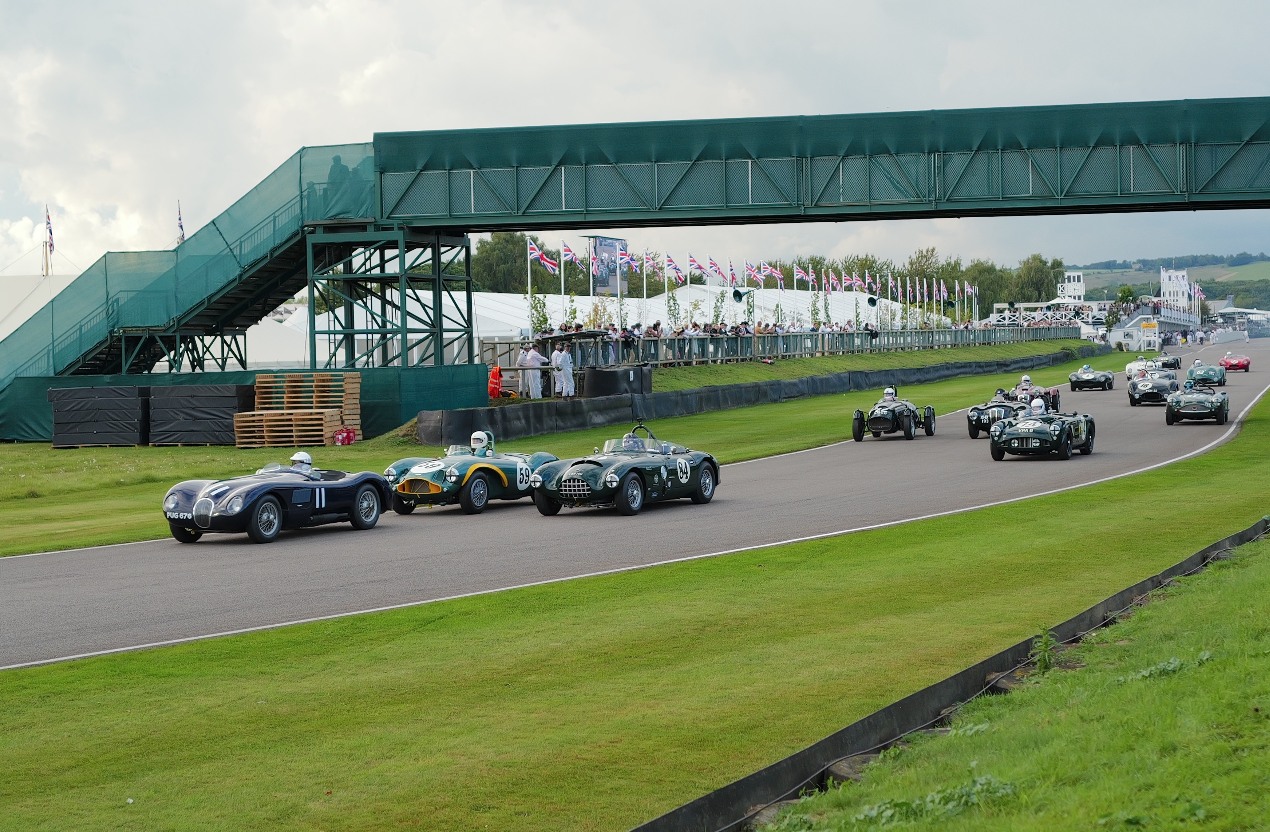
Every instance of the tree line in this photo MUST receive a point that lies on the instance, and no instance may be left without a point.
(498, 265)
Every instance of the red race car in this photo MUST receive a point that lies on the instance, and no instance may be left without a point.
(1229, 362)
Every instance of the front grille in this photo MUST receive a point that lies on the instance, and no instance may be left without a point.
(203, 513)
(417, 486)
(879, 423)
(574, 488)
(1196, 408)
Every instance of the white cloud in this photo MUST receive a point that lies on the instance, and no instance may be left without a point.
(111, 113)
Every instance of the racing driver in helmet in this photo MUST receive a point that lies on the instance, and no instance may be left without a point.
(888, 395)
(302, 463)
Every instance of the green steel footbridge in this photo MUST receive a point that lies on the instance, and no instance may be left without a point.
(378, 231)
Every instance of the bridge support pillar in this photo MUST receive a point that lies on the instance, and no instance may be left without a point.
(388, 297)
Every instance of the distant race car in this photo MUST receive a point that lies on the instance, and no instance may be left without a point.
(1050, 433)
(1155, 387)
(272, 499)
(1230, 362)
(1139, 363)
(981, 417)
(1026, 393)
(1207, 372)
(1167, 362)
(627, 474)
(470, 475)
(1087, 378)
(1198, 400)
(892, 414)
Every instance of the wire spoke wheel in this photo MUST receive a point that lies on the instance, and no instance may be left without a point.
(269, 519)
(367, 506)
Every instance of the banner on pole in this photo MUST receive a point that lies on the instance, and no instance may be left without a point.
(610, 277)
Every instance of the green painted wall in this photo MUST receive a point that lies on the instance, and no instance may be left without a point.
(390, 396)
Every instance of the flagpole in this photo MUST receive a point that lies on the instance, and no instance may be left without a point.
(529, 280)
(563, 311)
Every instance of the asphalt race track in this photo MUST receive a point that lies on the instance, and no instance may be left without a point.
(83, 601)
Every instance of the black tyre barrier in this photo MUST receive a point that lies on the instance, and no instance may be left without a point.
(535, 418)
(730, 807)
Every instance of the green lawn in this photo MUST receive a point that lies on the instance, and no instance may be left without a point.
(592, 704)
(60, 499)
(1160, 721)
(686, 378)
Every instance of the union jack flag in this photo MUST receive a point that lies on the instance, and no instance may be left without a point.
(753, 273)
(731, 271)
(869, 284)
(180, 224)
(567, 255)
(714, 267)
(957, 289)
(624, 259)
(547, 263)
(595, 264)
(672, 267)
(48, 224)
(837, 287)
(798, 272)
(943, 290)
(694, 266)
(650, 264)
(890, 285)
(812, 280)
(780, 281)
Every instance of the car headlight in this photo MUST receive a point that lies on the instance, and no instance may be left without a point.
(997, 428)
(611, 480)
(535, 481)
(1055, 430)
(452, 474)
(390, 474)
(170, 502)
(235, 505)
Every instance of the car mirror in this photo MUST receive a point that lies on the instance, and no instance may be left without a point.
(678, 449)
(597, 449)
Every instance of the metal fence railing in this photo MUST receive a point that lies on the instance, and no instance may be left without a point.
(596, 349)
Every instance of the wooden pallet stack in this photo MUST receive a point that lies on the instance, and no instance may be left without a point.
(295, 409)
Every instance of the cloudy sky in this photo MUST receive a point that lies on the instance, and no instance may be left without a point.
(111, 113)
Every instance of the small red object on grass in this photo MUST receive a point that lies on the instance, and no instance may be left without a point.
(345, 436)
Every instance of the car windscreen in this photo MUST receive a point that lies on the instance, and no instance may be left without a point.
(459, 450)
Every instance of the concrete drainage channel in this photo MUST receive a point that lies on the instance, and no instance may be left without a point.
(756, 798)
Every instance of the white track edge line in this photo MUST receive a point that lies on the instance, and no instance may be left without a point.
(1235, 425)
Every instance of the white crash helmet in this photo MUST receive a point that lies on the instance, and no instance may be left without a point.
(1229, 353)
(1038, 407)
(1027, 379)
(479, 440)
(889, 394)
(301, 461)
(1198, 363)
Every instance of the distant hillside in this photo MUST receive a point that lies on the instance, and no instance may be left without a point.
(1204, 268)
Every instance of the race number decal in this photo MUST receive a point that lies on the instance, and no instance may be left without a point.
(683, 469)
(522, 475)
(1031, 424)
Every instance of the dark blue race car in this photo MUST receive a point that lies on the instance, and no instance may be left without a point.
(272, 499)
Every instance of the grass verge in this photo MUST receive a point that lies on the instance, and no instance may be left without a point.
(62, 499)
(708, 375)
(1163, 720)
(592, 704)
